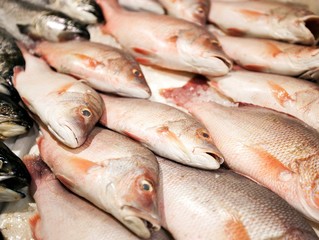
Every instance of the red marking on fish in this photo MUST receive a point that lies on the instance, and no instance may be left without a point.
(273, 49)
(235, 229)
(235, 32)
(64, 88)
(131, 135)
(192, 89)
(143, 61)
(172, 39)
(81, 164)
(88, 61)
(66, 182)
(255, 68)
(252, 14)
(34, 225)
(26, 102)
(142, 51)
(279, 93)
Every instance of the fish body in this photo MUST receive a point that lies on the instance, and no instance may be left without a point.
(264, 19)
(113, 172)
(143, 5)
(195, 11)
(86, 11)
(57, 207)
(165, 130)
(293, 96)
(165, 41)
(68, 107)
(22, 17)
(224, 205)
(272, 56)
(105, 68)
(13, 175)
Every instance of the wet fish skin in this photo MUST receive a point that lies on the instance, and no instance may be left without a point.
(143, 5)
(165, 41)
(224, 205)
(86, 11)
(113, 172)
(74, 107)
(105, 68)
(195, 11)
(293, 96)
(39, 22)
(14, 119)
(168, 131)
(13, 175)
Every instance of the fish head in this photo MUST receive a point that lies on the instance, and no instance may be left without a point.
(57, 27)
(136, 183)
(72, 119)
(197, 11)
(201, 50)
(13, 175)
(14, 119)
(87, 11)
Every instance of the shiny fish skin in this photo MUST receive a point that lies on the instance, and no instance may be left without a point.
(165, 41)
(68, 107)
(143, 5)
(266, 20)
(195, 11)
(113, 172)
(39, 22)
(281, 151)
(165, 130)
(86, 11)
(105, 68)
(222, 205)
(57, 206)
(272, 56)
(293, 96)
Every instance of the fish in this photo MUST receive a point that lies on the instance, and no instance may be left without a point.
(68, 107)
(104, 68)
(56, 206)
(113, 172)
(165, 41)
(37, 22)
(216, 205)
(165, 130)
(262, 19)
(276, 150)
(13, 175)
(195, 11)
(86, 11)
(14, 119)
(296, 97)
(143, 5)
(272, 56)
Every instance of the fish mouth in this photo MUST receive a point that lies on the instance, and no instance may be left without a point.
(207, 159)
(139, 222)
(312, 24)
(12, 129)
(68, 138)
(67, 36)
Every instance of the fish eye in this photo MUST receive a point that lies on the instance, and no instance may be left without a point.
(202, 133)
(215, 43)
(137, 73)
(86, 112)
(200, 10)
(146, 186)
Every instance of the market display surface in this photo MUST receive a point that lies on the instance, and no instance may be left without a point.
(146, 119)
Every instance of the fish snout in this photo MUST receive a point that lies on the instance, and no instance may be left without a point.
(207, 158)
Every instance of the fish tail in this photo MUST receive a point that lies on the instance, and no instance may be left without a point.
(109, 7)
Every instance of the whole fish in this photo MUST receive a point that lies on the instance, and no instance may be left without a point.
(105, 68)
(165, 41)
(113, 172)
(165, 130)
(195, 11)
(22, 17)
(264, 19)
(57, 206)
(13, 175)
(273, 56)
(86, 11)
(277, 150)
(67, 106)
(221, 205)
(143, 5)
(293, 96)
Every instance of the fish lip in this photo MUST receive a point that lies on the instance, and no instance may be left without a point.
(208, 158)
(14, 129)
(76, 142)
(226, 61)
(9, 195)
(140, 219)
(72, 144)
(67, 36)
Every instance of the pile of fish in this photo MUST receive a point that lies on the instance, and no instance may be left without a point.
(186, 119)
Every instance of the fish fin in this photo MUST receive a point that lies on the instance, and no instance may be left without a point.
(65, 181)
(273, 50)
(82, 164)
(172, 39)
(88, 61)
(252, 14)
(235, 229)
(143, 61)
(255, 68)
(235, 32)
(142, 51)
(64, 88)
(34, 222)
(279, 93)
(133, 136)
